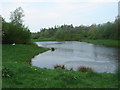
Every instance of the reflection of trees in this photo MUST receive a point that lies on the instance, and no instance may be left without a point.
(66, 51)
(105, 53)
(95, 53)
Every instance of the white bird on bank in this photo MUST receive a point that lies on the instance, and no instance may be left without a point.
(13, 44)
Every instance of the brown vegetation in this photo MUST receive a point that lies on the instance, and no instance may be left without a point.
(59, 67)
(84, 69)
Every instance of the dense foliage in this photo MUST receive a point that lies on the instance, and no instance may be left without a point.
(107, 30)
(15, 31)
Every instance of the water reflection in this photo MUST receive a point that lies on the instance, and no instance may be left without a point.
(74, 54)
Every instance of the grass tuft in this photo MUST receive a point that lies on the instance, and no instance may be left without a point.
(84, 69)
(59, 67)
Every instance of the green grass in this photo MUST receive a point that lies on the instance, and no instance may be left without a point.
(46, 39)
(112, 43)
(21, 75)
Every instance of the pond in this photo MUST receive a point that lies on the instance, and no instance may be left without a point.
(74, 54)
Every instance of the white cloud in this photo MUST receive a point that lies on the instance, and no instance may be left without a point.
(57, 12)
(104, 1)
(62, 1)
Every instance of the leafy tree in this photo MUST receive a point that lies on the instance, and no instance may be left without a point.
(15, 31)
(16, 16)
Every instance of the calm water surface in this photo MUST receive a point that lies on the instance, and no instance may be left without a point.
(74, 54)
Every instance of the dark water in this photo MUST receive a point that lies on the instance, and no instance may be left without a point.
(74, 54)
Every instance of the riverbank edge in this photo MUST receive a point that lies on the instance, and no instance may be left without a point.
(30, 61)
(109, 43)
(39, 70)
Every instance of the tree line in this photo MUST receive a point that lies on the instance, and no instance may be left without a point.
(16, 32)
(107, 30)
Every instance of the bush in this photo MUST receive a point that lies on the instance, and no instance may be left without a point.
(15, 34)
(84, 69)
(59, 67)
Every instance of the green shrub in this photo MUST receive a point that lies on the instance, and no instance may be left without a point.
(7, 73)
(15, 34)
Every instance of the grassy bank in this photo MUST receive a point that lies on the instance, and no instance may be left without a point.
(46, 39)
(19, 73)
(112, 43)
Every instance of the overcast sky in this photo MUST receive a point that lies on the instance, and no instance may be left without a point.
(48, 13)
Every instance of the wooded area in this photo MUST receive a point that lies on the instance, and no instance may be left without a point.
(107, 30)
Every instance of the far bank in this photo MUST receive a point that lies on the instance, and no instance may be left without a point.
(110, 43)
